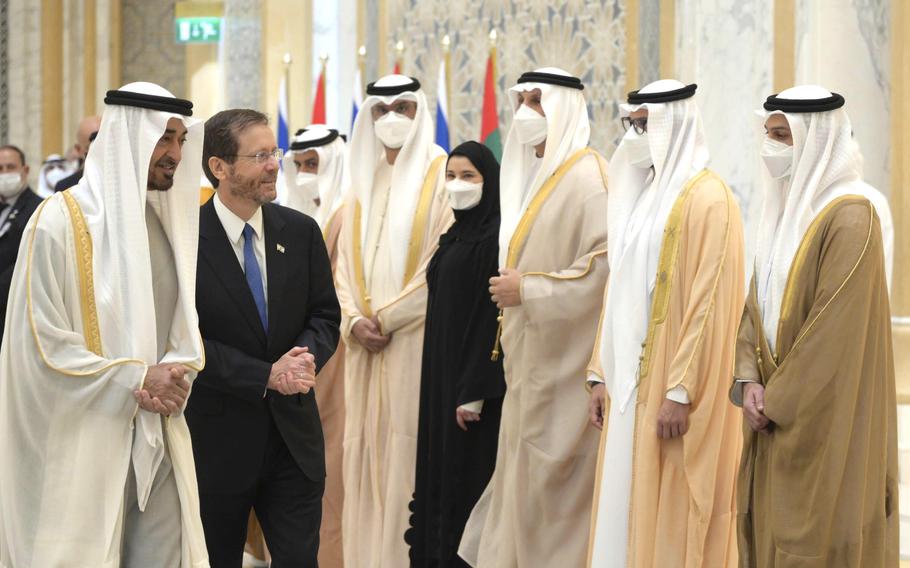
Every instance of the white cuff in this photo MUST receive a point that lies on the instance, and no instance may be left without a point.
(594, 378)
(678, 394)
(475, 406)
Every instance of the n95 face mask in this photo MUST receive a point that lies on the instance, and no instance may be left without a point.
(778, 158)
(638, 148)
(10, 184)
(530, 126)
(392, 129)
(463, 195)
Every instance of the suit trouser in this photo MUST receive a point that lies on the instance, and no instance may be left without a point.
(287, 503)
(151, 538)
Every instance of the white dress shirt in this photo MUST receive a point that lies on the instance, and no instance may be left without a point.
(233, 226)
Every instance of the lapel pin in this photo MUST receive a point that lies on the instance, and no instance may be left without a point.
(280, 247)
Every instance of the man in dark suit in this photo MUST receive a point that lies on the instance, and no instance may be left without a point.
(17, 203)
(85, 135)
(269, 320)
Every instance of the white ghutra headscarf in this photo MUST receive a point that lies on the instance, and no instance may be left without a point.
(568, 131)
(410, 169)
(332, 176)
(826, 165)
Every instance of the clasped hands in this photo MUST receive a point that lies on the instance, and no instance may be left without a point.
(754, 407)
(368, 333)
(294, 373)
(164, 389)
(672, 417)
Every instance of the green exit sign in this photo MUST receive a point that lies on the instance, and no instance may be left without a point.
(198, 30)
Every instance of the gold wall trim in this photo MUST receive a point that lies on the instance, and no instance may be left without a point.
(90, 54)
(667, 39)
(383, 66)
(51, 76)
(784, 44)
(115, 44)
(632, 33)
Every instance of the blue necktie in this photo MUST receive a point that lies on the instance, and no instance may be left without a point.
(254, 275)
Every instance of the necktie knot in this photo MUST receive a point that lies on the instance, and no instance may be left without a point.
(248, 231)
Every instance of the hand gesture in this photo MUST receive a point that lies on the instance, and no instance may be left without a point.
(672, 419)
(505, 289)
(463, 416)
(367, 333)
(754, 407)
(597, 405)
(294, 373)
(164, 390)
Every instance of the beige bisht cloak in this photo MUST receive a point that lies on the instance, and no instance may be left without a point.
(535, 510)
(330, 401)
(682, 502)
(820, 489)
(79, 343)
(381, 402)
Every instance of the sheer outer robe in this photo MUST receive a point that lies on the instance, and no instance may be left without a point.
(330, 401)
(381, 396)
(682, 501)
(821, 489)
(58, 500)
(535, 510)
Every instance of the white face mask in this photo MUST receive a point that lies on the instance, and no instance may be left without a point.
(778, 158)
(463, 194)
(530, 126)
(11, 185)
(393, 129)
(55, 175)
(307, 182)
(638, 149)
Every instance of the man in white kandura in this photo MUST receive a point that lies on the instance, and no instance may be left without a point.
(97, 467)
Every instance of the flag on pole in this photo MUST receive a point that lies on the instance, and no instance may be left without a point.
(442, 106)
(489, 126)
(319, 99)
(283, 137)
(357, 96)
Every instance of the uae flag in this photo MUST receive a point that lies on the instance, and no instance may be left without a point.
(489, 125)
(319, 99)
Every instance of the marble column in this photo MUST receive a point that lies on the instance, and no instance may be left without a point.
(24, 84)
(844, 45)
(242, 41)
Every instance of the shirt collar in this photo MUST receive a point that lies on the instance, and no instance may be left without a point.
(233, 225)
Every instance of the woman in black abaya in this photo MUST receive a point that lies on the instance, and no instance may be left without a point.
(461, 387)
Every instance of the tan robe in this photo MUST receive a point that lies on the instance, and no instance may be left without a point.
(682, 500)
(330, 401)
(535, 510)
(820, 490)
(381, 402)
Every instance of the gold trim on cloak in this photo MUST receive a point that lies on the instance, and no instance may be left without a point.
(415, 244)
(82, 240)
(31, 315)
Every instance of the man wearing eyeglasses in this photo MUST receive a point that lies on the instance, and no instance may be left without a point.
(269, 321)
(664, 358)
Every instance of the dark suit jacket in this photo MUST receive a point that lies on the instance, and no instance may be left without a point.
(9, 245)
(228, 415)
(69, 181)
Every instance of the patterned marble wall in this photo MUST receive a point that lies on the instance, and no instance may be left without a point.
(24, 78)
(845, 45)
(585, 37)
(149, 48)
(4, 64)
(726, 46)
